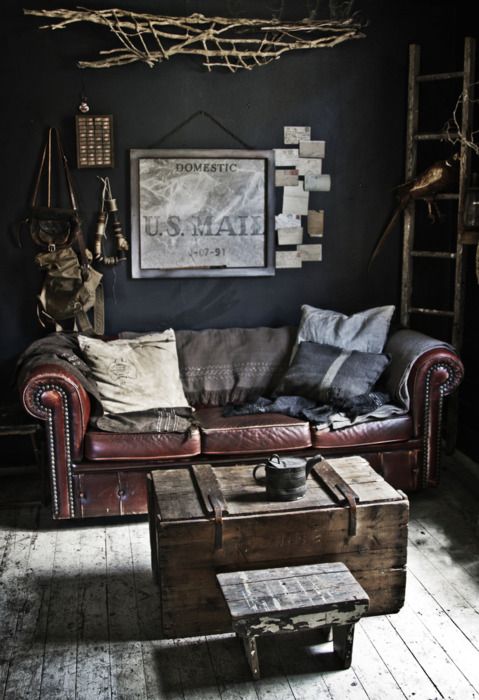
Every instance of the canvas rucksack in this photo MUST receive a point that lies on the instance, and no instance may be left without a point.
(71, 287)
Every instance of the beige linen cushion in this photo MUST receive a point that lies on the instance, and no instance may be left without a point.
(135, 374)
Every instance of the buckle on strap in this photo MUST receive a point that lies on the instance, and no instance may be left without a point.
(350, 497)
(218, 514)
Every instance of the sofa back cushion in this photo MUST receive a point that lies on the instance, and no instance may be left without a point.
(232, 365)
(365, 331)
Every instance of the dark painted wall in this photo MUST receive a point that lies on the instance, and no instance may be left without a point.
(353, 96)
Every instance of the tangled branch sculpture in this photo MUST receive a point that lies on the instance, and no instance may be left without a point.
(452, 127)
(220, 41)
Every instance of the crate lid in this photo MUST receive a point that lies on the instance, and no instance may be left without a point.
(191, 493)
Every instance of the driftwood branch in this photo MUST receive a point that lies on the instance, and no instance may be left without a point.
(452, 128)
(220, 41)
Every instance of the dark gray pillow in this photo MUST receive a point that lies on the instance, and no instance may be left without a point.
(324, 373)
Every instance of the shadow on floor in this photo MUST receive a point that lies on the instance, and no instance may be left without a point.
(189, 664)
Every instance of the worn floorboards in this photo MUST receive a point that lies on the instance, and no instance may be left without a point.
(79, 620)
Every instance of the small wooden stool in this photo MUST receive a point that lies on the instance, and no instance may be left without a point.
(294, 598)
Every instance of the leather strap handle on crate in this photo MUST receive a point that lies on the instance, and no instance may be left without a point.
(211, 497)
(338, 489)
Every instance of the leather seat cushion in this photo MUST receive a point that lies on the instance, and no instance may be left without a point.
(265, 432)
(375, 432)
(127, 446)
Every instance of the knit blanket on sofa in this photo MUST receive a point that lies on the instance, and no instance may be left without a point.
(391, 399)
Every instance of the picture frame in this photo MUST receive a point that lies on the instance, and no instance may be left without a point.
(202, 212)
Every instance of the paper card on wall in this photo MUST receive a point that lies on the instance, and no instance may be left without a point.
(282, 178)
(315, 222)
(295, 134)
(295, 200)
(310, 166)
(312, 149)
(312, 252)
(317, 183)
(287, 221)
(288, 258)
(286, 157)
(290, 236)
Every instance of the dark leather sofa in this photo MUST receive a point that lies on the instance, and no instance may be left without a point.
(95, 473)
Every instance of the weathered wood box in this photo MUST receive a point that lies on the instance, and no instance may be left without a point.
(206, 520)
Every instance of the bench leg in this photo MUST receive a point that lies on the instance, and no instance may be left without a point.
(343, 637)
(252, 655)
(325, 634)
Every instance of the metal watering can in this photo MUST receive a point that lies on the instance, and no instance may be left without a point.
(285, 479)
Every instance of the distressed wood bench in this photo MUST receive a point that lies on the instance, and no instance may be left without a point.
(294, 598)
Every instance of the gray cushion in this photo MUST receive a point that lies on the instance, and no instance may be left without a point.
(365, 331)
(325, 373)
(232, 365)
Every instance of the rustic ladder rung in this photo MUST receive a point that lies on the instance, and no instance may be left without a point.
(439, 76)
(432, 254)
(447, 195)
(434, 136)
(470, 237)
(431, 312)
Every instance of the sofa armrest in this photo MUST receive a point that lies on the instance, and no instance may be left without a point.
(423, 371)
(52, 394)
(46, 389)
(434, 375)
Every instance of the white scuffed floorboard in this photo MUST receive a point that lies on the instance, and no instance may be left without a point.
(80, 620)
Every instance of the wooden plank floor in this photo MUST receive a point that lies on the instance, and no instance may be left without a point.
(79, 619)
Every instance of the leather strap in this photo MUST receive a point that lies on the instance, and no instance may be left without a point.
(218, 513)
(40, 171)
(99, 311)
(339, 490)
(211, 497)
(63, 165)
(350, 497)
(46, 161)
(82, 322)
(73, 200)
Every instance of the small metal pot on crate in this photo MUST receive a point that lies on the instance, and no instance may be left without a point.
(285, 479)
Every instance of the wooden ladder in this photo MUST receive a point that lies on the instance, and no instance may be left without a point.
(456, 309)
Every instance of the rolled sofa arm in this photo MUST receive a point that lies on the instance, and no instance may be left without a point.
(52, 394)
(423, 372)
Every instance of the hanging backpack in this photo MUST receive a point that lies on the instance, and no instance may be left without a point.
(71, 287)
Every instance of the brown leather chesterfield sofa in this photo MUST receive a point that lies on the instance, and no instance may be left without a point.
(97, 473)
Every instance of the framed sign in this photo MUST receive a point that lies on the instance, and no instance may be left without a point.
(202, 213)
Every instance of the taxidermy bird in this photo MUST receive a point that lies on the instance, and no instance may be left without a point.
(442, 176)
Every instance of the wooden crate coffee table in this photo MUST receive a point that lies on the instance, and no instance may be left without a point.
(206, 520)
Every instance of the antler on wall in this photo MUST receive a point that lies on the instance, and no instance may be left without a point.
(220, 41)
